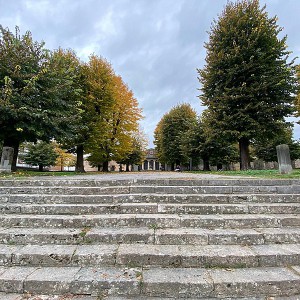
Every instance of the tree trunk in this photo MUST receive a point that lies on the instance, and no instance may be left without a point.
(99, 168)
(206, 166)
(244, 153)
(105, 166)
(41, 168)
(79, 159)
(127, 167)
(14, 143)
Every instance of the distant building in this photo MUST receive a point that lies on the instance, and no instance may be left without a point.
(151, 162)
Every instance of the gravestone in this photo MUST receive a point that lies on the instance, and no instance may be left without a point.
(284, 159)
(6, 159)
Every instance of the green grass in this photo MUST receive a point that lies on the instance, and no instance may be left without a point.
(23, 173)
(249, 173)
(255, 173)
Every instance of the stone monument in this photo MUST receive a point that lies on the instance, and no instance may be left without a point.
(284, 159)
(6, 159)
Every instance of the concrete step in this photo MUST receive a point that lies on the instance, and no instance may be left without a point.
(154, 282)
(149, 198)
(77, 190)
(150, 208)
(151, 220)
(88, 182)
(14, 296)
(10, 296)
(183, 256)
(211, 256)
(144, 235)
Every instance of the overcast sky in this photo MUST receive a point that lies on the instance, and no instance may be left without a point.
(155, 45)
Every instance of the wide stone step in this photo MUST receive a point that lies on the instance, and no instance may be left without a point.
(185, 256)
(11, 296)
(155, 282)
(88, 182)
(75, 190)
(144, 235)
(150, 208)
(149, 198)
(212, 256)
(151, 220)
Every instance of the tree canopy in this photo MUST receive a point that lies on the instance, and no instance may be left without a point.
(114, 114)
(170, 135)
(53, 95)
(247, 82)
(37, 91)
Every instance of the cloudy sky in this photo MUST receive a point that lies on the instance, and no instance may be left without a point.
(155, 45)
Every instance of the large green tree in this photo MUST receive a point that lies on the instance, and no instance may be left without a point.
(170, 135)
(36, 91)
(210, 145)
(247, 82)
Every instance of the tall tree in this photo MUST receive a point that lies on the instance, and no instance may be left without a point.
(170, 135)
(247, 81)
(35, 91)
(116, 119)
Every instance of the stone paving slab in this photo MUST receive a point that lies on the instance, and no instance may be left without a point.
(208, 256)
(157, 189)
(58, 255)
(152, 220)
(78, 297)
(150, 208)
(156, 282)
(23, 235)
(149, 198)
(214, 256)
(50, 280)
(148, 235)
(222, 284)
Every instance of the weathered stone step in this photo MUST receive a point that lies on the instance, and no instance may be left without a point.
(10, 296)
(75, 190)
(150, 208)
(156, 282)
(183, 256)
(14, 296)
(212, 256)
(50, 182)
(149, 198)
(144, 235)
(151, 220)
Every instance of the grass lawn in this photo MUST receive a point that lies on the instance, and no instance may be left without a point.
(257, 173)
(253, 173)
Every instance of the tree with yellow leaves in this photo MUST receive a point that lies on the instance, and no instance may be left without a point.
(114, 114)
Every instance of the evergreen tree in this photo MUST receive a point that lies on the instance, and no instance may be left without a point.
(247, 81)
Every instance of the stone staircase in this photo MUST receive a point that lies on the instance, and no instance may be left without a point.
(150, 239)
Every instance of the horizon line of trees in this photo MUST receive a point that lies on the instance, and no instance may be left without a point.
(52, 95)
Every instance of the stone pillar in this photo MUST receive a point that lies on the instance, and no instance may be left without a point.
(6, 159)
(284, 159)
